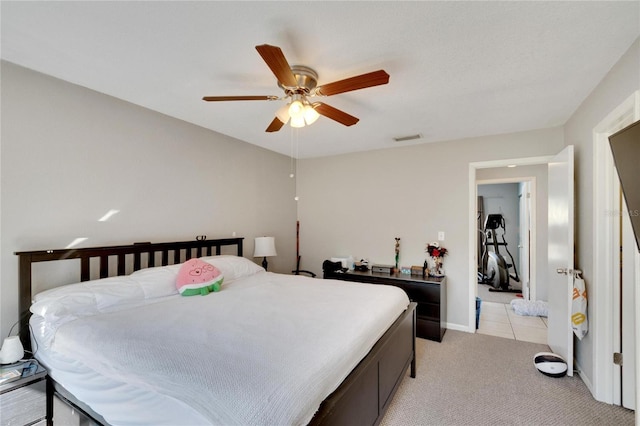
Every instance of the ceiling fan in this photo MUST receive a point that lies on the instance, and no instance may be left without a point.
(301, 83)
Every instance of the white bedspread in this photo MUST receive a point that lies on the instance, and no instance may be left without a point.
(267, 349)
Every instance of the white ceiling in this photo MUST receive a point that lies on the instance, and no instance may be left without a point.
(458, 69)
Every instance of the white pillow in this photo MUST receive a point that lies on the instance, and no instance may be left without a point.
(233, 267)
(69, 302)
(89, 288)
(157, 282)
(88, 298)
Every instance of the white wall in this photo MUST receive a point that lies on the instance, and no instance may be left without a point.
(355, 204)
(70, 154)
(620, 83)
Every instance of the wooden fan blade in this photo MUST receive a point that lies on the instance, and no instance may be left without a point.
(275, 125)
(335, 114)
(275, 59)
(375, 78)
(238, 98)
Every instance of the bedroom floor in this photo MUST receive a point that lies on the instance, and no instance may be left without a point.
(498, 319)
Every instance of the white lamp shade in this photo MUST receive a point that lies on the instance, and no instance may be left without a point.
(310, 114)
(265, 247)
(296, 109)
(12, 350)
(283, 113)
(297, 122)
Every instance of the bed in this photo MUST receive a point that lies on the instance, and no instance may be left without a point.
(123, 347)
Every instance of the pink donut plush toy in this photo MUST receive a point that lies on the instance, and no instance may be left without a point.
(198, 277)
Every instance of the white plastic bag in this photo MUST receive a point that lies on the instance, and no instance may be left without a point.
(579, 321)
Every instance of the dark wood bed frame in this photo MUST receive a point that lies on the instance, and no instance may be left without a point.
(362, 398)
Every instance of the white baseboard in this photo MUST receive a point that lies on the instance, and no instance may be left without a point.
(458, 327)
(578, 369)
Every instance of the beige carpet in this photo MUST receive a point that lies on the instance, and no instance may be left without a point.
(472, 379)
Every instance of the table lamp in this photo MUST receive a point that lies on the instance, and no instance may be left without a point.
(12, 350)
(264, 247)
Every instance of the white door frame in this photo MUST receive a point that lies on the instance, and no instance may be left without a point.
(528, 238)
(606, 254)
(629, 279)
(532, 237)
(473, 222)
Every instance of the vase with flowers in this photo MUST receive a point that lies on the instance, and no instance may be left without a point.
(437, 253)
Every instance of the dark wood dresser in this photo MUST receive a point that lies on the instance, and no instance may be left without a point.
(430, 293)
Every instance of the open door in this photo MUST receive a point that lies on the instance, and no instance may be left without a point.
(561, 267)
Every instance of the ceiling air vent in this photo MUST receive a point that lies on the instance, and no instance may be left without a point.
(407, 138)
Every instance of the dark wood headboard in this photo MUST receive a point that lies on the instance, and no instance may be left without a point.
(143, 255)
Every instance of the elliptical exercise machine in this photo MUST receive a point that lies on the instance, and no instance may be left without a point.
(495, 269)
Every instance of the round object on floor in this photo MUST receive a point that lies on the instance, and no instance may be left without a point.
(550, 364)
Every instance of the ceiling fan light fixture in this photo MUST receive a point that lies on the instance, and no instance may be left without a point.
(297, 122)
(283, 113)
(299, 82)
(296, 109)
(310, 114)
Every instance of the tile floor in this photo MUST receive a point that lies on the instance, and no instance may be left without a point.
(497, 319)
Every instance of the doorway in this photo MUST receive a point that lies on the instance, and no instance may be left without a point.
(512, 192)
(531, 179)
(562, 200)
(504, 198)
(534, 171)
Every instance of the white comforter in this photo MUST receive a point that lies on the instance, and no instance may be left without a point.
(267, 349)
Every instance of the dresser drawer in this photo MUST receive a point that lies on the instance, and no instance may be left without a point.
(24, 405)
(428, 310)
(429, 329)
(423, 293)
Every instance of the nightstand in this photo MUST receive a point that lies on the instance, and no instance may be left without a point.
(23, 401)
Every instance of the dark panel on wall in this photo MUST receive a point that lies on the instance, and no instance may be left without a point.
(625, 146)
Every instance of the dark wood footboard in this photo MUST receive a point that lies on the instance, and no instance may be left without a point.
(365, 395)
